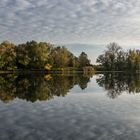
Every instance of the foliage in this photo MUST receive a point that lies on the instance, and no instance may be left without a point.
(115, 59)
(7, 56)
(83, 60)
(42, 55)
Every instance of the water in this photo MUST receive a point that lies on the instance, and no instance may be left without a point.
(57, 107)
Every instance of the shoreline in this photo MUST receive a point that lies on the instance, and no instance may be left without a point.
(37, 71)
(41, 71)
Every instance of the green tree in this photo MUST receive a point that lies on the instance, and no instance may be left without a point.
(83, 60)
(109, 59)
(23, 59)
(59, 57)
(38, 54)
(7, 56)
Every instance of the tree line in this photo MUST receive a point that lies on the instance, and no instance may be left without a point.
(34, 55)
(115, 58)
(42, 55)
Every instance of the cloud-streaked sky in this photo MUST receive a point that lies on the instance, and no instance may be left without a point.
(71, 21)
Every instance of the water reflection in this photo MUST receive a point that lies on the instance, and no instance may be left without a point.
(85, 116)
(38, 87)
(118, 83)
(44, 87)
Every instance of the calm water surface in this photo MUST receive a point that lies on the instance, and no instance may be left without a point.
(104, 107)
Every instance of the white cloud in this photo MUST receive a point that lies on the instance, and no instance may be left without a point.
(90, 21)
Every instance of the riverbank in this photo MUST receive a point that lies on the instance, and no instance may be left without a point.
(36, 71)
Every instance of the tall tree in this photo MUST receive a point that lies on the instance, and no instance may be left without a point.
(7, 56)
(83, 60)
(109, 59)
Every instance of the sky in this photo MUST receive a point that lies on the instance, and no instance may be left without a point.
(91, 22)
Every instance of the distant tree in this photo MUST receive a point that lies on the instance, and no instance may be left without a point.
(7, 56)
(133, 60)
(109, 59)
(23, 58)
(34, 55)
(83, 60)
(59, 57)
(121, 61)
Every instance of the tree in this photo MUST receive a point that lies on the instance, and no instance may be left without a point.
(83, 60)
(34, 55)
(121, 61)
(38, 54)
(109, 59)
(7, 56)
(23, 59)
(59, 57)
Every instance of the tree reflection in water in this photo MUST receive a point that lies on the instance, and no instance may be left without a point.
(118, 83)
(45, 87)
(38, 87)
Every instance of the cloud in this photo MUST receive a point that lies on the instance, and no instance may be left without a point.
(90, 21)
